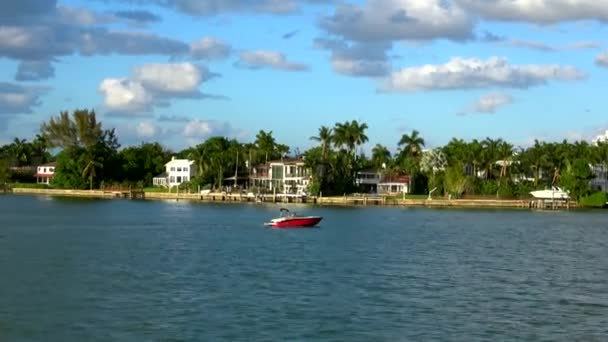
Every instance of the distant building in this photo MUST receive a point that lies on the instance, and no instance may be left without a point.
(177, 171)
(368, 180)
(393, 185)
(289, 176)
(600, 179)
(45, 173)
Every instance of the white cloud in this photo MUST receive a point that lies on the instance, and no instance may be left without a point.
(209, 48)
(460, 73)
(198, 129)
(489, 103)
(215, 7)
(147, 130)
(170, 78)
(125, 95)
(602, 59)
(538, 11)
(154, 85)
(394, 20)
(268, 59)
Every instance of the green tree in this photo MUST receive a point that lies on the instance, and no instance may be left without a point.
(411, 145)
(324, 137)
(576, 178)
(380, 156)
(82, 140)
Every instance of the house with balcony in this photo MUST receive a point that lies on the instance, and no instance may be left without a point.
(45, 173)
(289, 176)
(177, 171)
(367, 180)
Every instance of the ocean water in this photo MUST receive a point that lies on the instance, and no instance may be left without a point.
(120, 270)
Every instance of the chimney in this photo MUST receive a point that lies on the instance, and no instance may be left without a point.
(172, 158)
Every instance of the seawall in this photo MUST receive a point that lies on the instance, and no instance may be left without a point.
(335, 201)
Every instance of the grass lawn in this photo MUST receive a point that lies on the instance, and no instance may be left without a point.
(156, 189)
(30, 186)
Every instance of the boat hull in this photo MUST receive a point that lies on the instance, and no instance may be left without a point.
(296, 222)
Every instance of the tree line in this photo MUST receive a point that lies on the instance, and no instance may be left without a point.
(89, 156)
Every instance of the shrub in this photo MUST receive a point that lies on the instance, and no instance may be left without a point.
(595, 200)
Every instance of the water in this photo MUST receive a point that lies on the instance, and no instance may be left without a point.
(93, 270)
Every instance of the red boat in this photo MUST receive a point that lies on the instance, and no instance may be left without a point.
(292, 220)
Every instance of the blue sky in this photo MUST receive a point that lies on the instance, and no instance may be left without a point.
(179, 71)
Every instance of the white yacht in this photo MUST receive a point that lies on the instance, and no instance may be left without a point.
(553, 193)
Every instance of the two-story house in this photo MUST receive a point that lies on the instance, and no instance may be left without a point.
(45, 173)
(288, 176)
(177, 171)
(367, 180)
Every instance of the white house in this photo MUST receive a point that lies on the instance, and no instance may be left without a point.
(392, 185)
(177, 171)
(368, 180)
(45, 173)
(289, 176)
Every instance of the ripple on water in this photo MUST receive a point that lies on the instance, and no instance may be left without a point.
(136, 270)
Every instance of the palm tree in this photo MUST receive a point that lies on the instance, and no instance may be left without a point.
(325, 137)
(380, 155)
(412, 144)
(90, 171)
(198, 155)
(490, 155)
(476, 155)
(265, 143)
(350, 135)
(357, 131)
(19, 151)
(505, 152)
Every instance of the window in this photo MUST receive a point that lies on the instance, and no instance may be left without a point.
(172, 179)
(185, 178)
(172, 169)
(185, 169)
(44, 170)
(179, 169)
(179, 179)
(51, 169)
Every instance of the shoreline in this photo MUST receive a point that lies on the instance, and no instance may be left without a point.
(350, 201)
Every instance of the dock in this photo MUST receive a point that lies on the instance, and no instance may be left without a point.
(363, 201)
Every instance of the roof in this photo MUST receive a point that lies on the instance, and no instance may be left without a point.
(287, 161)
(374, 171)
(44, 175)
(180, 161)
(48, 164)
(396, 179)
(162, 175)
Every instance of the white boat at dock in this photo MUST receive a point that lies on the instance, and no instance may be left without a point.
(555, 193)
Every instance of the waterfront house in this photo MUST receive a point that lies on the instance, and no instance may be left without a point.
(367, 180)
(600, 177)
(288, 176)
(395, 184)
(45, 173)
(177, 171)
